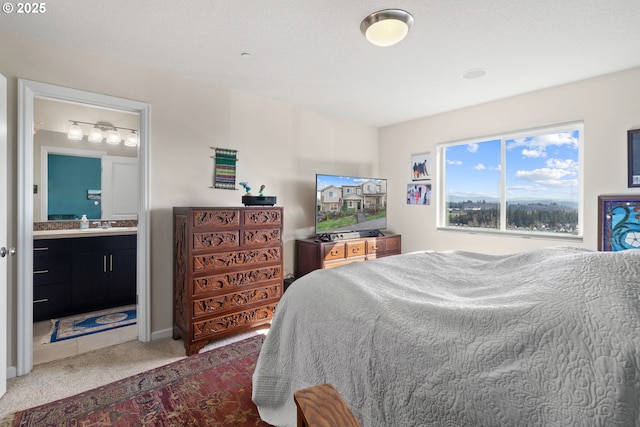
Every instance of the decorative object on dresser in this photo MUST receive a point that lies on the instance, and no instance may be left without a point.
(259, 200)
(312, 254)
(228, 271)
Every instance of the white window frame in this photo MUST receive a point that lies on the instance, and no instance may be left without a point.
(441, 200)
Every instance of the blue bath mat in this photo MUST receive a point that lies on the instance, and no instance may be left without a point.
(91, 323)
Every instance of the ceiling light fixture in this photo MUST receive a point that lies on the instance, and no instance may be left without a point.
(113, 136)
(132, 139)
(102, 131)
(386, 27)
(75, 132)
(95, 134)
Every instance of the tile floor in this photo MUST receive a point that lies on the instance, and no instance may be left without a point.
(72, 347)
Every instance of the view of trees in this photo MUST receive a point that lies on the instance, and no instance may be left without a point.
(551, 217)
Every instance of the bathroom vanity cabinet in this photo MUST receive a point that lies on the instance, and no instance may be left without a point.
(103, 272)
(51, 278)
(79, 274)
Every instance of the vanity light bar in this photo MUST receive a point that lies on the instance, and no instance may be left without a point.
(97, 133)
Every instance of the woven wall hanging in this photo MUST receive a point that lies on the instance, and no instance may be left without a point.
(224, 174)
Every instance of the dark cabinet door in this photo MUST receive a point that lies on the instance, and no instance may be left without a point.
(51, 301)
(122, 276)
(51, 278)
(89, 280)
(104, 272)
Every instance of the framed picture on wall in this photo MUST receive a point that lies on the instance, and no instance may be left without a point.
(618, 223)
(421, 167)
(633, 154)
(419, 194)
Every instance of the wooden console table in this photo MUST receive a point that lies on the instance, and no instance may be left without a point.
(312, 254)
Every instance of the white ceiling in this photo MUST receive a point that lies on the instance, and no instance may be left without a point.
(311, 53)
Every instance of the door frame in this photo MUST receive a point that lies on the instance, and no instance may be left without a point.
(4, 228)
(27, 91)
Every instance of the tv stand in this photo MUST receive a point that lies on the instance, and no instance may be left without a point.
(343, 235)
(313, 254)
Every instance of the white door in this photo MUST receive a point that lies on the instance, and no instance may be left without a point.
(119, 187)
(4, 262)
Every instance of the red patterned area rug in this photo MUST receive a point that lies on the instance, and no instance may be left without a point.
(207, 389)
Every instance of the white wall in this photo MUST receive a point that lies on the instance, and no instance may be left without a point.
(608, 106)
(280, 145)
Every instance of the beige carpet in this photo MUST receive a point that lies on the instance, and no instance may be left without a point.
(65, 377)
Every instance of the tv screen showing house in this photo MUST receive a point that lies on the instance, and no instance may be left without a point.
(350, 203)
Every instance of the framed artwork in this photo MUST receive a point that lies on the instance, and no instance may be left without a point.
(633, 155)
(421, 167)
(618, 223)
(419, 194)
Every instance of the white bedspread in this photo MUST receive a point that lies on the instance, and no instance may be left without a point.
(548, 337)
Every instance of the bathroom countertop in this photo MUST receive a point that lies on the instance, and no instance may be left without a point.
(91, 232)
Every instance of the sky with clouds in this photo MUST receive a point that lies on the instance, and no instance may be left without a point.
(539, 167)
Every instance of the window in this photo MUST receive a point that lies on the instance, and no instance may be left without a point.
(526, 182)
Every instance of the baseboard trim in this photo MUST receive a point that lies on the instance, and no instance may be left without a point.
(12, 371)
(160, 335)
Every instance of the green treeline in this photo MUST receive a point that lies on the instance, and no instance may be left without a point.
(527, 217)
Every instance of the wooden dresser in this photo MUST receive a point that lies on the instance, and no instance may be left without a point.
(228, 269)
(313, 255)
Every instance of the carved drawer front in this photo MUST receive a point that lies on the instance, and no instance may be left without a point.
(262, 217)
(219, 218)
(393, 244)
(211, 327)
(375, 245)
(330, 252)
(207, 306)
(267, 236)
(355, 249)
(216, 239)
(231, 281)
(248, 257)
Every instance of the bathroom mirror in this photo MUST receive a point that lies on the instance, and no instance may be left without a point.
(76, 177)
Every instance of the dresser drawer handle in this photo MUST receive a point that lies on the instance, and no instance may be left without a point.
(41, 272)
(335, 252)
(355, 249)
(40, 300)
(41, 249)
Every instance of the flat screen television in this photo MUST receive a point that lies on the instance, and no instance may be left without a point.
(350, 204)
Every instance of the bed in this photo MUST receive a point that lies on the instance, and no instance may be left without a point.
(547, 337)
